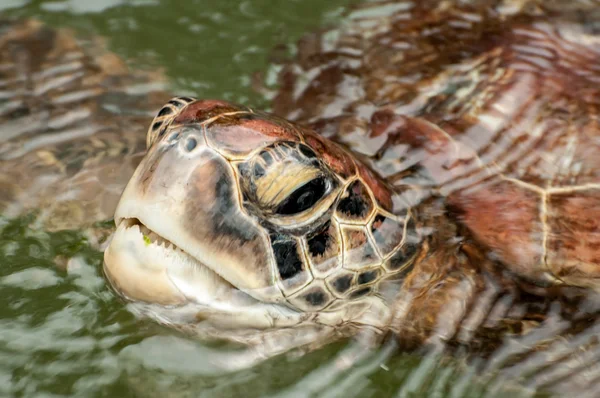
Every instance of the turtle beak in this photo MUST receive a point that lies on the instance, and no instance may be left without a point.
(138, 270)
(186, 200)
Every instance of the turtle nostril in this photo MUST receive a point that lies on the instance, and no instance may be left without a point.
(191, 144)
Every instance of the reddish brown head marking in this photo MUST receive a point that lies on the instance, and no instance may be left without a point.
(381, 192)
(242, 133)
(335, 157)
(202, 110)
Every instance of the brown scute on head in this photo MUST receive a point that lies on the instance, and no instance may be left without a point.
(380, 191)
(358, 250)
(360, 292)
(324, 247)
(261, 123)
(334, 156)
(287, 256)
(202, 110)
(242, 133)
(341, 283)
(322, 244)
(156, 125)
(165, 111)
(313, 298)
(367, 277)
(178, 103)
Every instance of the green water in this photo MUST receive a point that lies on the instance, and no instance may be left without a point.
(209, 48)
(63, 333)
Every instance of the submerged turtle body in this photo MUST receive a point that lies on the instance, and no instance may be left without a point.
(497, 113)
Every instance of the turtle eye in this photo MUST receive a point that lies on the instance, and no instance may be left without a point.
(304, 197)
(288, 187)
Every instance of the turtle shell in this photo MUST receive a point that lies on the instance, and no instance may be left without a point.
(492, 108)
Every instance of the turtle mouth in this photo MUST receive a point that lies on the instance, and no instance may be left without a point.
(153, 239)
(145, 266)
(150, 236)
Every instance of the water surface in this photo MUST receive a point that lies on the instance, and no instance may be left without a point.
(63, 333)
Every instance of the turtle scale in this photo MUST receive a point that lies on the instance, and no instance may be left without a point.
(323, 249)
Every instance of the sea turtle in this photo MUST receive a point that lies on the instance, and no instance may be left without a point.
(440, 182)
(431, 176)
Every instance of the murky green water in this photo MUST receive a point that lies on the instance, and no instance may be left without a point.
(63, 333)
(209, 48)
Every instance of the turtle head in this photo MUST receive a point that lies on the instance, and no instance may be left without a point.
(231, 207)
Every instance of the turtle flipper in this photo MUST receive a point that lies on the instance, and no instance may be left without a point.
(436, 299)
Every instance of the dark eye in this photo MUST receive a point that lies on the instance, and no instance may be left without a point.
(304, 197)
